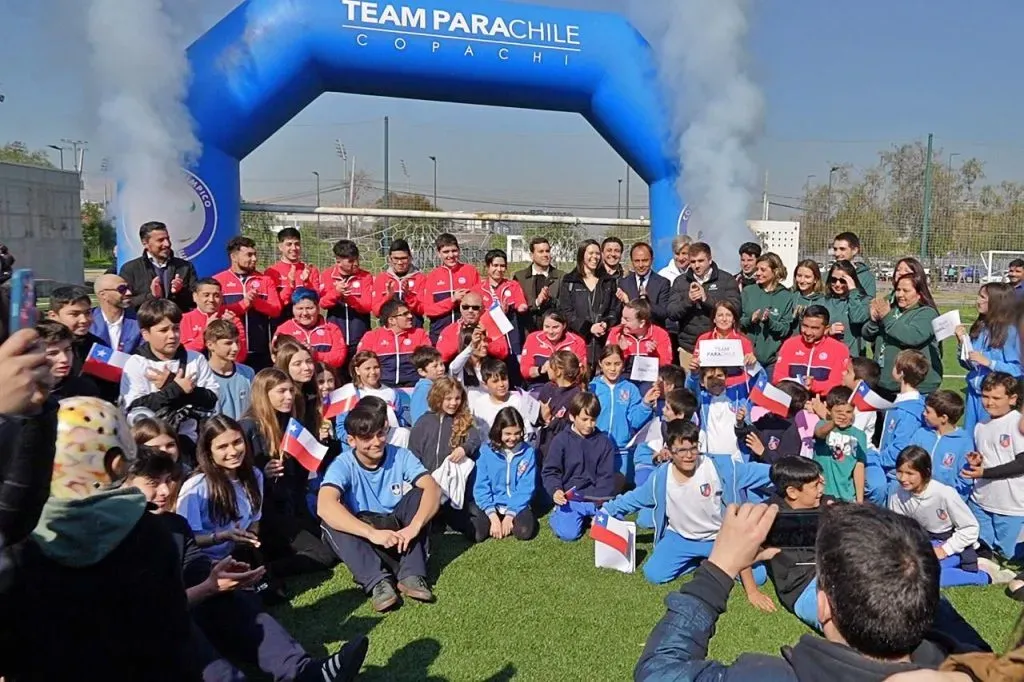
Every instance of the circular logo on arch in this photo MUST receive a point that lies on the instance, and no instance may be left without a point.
(198, 220)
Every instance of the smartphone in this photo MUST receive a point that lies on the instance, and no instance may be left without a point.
(794, 529)
(23, 311)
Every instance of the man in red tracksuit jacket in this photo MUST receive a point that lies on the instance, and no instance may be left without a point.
(252, 296)
(401, 279)
(446, 285)
(346, 293)
(815, 360)
(394, 343)
(472, 315)
(290, 272)
(310, 328)
(209, 306)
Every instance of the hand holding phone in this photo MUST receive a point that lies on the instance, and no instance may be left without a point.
(23, 312)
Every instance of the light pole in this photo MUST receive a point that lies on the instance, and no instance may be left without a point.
(951, 161)
(807, 183)
(434, 159)
(61, 150)
(618, 205)
(831, 172)
(317, 175)
(76, 145)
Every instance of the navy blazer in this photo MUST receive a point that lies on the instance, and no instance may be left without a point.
(657, 293)
(131, 336)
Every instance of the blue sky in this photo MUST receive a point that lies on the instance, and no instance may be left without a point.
(841, 81)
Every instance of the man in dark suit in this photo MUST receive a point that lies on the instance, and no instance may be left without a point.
(643, 283)
(540, 284)
(158, 273)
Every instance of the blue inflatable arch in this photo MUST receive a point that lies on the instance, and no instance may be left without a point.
(268, 59)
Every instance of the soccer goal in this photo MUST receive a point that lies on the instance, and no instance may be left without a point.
(996, 264)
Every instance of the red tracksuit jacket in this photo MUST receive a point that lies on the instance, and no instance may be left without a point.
(408, 288)
(351, 313)
(305, 276)
(654, 343)
(538, 349)
(324, 339)
(394, 350)
(193, 326)
(825, 362)
(256, 319)
(438, 287)
(448, 342)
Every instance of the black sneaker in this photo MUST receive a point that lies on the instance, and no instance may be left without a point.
(416, 587)
(383, 596)
(344, 665)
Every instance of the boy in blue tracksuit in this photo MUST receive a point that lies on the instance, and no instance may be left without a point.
(624, 411)
(902, 422)
(429, 365)
(718, 406)
(679, 404)
(579, 470)
(686, 497)
(947, 443)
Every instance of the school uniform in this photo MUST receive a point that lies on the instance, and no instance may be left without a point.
(1004, 359)
(946, 518)
(733, 375)
(651, 442)
(824, 362)
(194, 505)
(779, 436)
(623, 413)
(949, 456)
(397, 405)
(716, 416)
(234, 390)
(484, 409)
(438, 287)
(394, 351)
(838, 455)
(586, 464)
(387, 498)
(558, 399)
(997, 502)
(408, 288)
(418, 399)
(653, 343)
(687, 514)
(505, 483)
(902, 421)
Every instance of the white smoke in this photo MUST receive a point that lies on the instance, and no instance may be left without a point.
(141, 75)
(715, 106)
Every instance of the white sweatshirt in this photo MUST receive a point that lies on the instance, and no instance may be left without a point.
(939, 509)
(1000, 441)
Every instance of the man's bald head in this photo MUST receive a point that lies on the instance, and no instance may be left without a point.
(471, 306)
(112, 291)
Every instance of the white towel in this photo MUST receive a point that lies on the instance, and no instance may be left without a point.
(452, 478)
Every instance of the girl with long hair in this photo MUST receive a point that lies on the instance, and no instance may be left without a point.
(994, 346)
(158, 434)
(906, 324)
(506, 478)
(568, 377)
(847, 304)
(297, 362)
(767, 310)
(364, 368)
(587, 299)
(448, 432)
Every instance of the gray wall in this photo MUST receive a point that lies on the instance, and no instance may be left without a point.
(41, 220)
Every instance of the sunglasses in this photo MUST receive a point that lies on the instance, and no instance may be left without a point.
(836, 280)
(472, 307)
(120, 288)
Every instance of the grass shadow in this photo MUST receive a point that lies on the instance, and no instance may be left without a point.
(328, 619)
(444, 549)
(411, 662)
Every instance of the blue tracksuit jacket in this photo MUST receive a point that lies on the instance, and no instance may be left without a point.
(949, 456)
(622, 409)
(505, 481)
(738, 478)
(901, 423)
(418, 402)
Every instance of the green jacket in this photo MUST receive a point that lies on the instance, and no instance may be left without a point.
(81, 532)
(903, 330)
(767, 336)
(867, 279)
(801, 303)
(853, 311)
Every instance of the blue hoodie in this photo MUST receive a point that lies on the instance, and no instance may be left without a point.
(587, 464)
(622, 409)
(418, 402)
(505, 479)
(739, 396)
(1005, 359)
(738, 479)
(901, 423)
(949, 456)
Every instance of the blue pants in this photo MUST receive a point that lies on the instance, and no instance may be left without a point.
(973, 411)
(642, 472)
(567, 520)
(674, 555)
(876, 483)
(624, 463)
(806, 606)
(999, 531)
(953, 574)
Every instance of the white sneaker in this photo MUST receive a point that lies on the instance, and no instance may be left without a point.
(996, 573)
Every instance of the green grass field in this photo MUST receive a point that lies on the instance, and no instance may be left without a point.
(539, 610)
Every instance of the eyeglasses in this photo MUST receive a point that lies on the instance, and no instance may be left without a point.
(472, 307)
(693, 449)
(404, 313)
(120, 288)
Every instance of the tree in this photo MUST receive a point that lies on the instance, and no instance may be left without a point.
(18, 152)
(98, 234)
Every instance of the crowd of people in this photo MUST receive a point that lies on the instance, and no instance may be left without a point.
(196, 442)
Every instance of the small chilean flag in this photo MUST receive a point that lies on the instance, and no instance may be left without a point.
(601, 533)
(105, 363)
(340, 401)
(300, 444)
(769, 397)
(866, 400)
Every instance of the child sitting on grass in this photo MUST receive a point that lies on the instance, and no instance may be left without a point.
(579, 469)
(506, 478)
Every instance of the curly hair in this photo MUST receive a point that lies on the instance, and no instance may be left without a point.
(462, 420)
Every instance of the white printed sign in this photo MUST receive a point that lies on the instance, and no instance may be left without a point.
(720, 353)
(945, 326)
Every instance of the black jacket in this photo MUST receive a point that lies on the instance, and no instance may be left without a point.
(195, 564)
(170, 396)
(696, 318)
(431, 437)
(139, 274)
(27, 447)
(792, 570)
(584, 308)
(531, 285)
